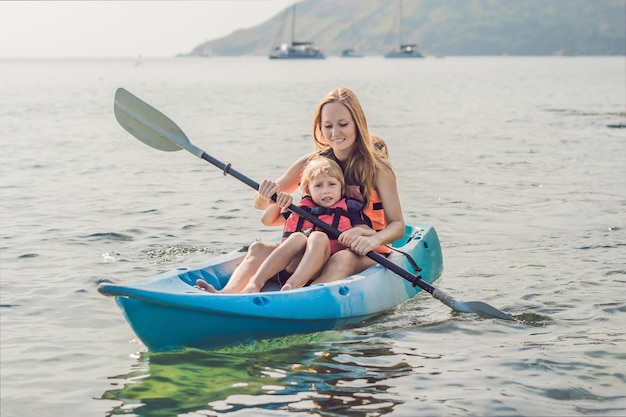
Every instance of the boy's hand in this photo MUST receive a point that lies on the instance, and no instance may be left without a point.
(284, 200)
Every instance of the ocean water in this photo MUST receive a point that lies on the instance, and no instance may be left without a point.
(518, 162)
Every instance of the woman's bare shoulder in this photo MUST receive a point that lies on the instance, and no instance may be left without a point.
(384, 168)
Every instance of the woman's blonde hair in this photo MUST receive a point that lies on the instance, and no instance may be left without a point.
(360, 167)
(320, 165)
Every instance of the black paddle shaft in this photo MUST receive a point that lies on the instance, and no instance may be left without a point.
(415, 280)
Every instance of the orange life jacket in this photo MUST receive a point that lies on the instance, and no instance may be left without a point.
(373, 214)
(336, 216)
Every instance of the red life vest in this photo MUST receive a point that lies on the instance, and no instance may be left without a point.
(335, 215)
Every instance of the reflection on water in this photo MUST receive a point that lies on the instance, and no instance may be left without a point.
(293, 374)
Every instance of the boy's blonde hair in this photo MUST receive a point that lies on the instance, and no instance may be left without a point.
(320, 165)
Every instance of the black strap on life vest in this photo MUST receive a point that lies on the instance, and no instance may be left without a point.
(336, 212)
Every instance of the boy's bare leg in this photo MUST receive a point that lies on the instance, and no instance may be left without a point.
(343, 264)
(315, 256)
(278, 260)
(257, 253)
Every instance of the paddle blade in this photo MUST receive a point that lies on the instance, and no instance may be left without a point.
(475, 307)
(147, 123)
(482, 309)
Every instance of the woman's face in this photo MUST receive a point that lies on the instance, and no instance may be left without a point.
(338, 128)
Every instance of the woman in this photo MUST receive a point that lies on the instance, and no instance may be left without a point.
(340, 133)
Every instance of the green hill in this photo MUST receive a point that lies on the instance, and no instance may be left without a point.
(441, 27)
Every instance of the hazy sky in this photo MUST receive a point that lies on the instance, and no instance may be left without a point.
(123, 28)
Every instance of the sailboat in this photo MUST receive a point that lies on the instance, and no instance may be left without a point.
(406, 50)
(296, 50)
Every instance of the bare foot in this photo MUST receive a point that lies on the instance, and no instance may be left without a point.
(205, 286)
(286, 287)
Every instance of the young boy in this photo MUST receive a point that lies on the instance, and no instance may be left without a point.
(322, 188)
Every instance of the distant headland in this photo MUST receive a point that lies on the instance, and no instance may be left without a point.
(450, 28)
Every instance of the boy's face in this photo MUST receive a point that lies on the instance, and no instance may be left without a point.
(325, 190)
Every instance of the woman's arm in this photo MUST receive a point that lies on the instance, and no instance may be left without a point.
(388, 192)
(287, 182)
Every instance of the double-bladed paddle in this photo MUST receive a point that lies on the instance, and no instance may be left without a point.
(158, 131)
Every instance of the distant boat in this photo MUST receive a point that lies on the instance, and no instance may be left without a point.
(406, 50)
(296, 50)
(350, 53)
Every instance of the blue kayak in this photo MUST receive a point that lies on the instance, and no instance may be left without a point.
(166, 312)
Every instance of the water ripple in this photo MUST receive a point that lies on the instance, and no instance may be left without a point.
(114, 236)
(178, 251)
